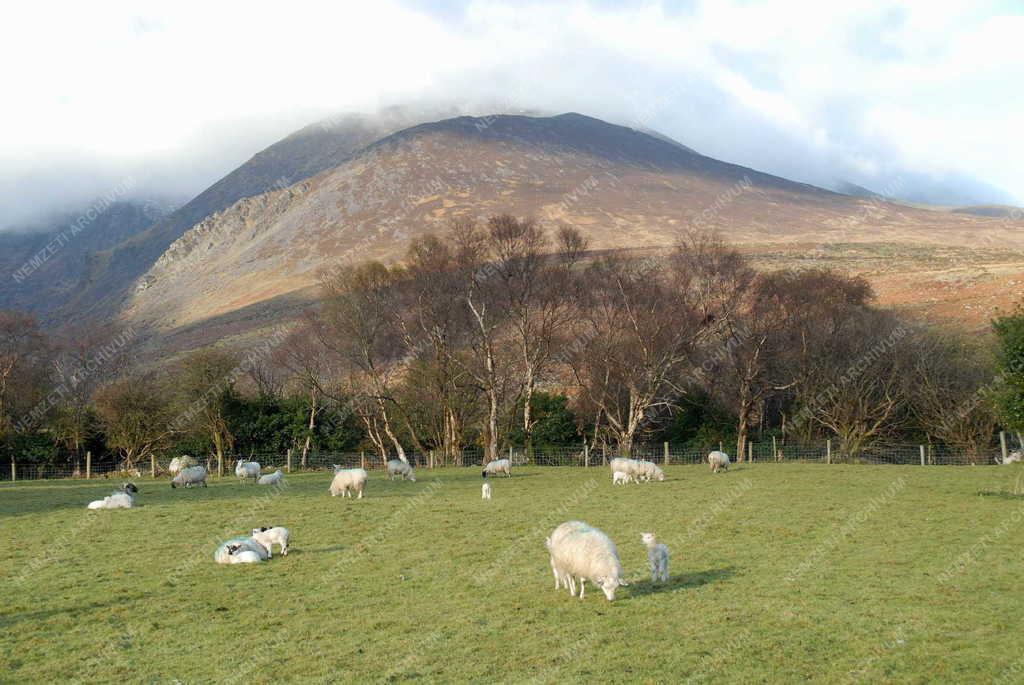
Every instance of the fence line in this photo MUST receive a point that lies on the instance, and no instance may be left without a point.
(765, 451)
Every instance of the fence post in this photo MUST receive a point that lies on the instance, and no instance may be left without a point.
(666, 453)
(288, 461)
(362, 460)
(88, 464)
(152, 466)
(922, 454)
(14, 470)
(1002, 444)
(775, 449)
(586, 454)
(720, 448)
(750, 451)
(828, 451)
(430, 459)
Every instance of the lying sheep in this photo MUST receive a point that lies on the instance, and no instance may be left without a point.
(121, 499)
(498, 466)
(247, 469)
(347, 480)
(718, 461)
(583, 552)
(179, 463)
(240, 551)
(188, 477)
(268, 536)
(647, 471)
(621, 478)
(1012, 458)
(485, 491)
(397, 467)
(657, 557)
(271, 478)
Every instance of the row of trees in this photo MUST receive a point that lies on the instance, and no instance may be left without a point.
(501, 333)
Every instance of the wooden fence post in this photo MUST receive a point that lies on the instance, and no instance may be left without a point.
(750, 451)
(288, 461)
(430, 459)
(666, 453)
(88, 465)
(775, 449)
(14, 470)
(586, 453)
(1002, 444)
(152, 466)
(828, 451)
(362, 459)
(922, 454)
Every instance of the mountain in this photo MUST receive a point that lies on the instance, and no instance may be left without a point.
(257, 262)
(1002, 211)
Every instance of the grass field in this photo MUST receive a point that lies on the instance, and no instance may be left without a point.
(780, 573)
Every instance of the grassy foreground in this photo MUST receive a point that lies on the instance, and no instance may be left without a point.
(780, 573)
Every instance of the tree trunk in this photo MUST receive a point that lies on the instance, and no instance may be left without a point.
(312, 426)
(492, 426)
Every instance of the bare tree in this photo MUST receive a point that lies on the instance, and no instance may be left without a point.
(206, 381)
(24, 373)
(136, 417)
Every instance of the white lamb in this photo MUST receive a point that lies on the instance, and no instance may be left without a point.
(657, 557)
(247, 469)
(268, 536)
(122, 499)
(347, 480)
(179, 463)
(271, 478)
(719, 461)
(583, 552)
(188, 477)
(621, 478)
(498, 466)
(485, 491)
(647, 471)
(397, 467)
(240, 551)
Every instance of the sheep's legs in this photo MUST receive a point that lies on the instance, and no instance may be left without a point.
(583, 582)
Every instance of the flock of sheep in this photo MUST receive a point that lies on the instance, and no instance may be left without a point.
(578, 552)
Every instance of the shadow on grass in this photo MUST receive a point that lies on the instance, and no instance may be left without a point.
(681, 581)
(9, 619)
(315, 550)
(1001, 494)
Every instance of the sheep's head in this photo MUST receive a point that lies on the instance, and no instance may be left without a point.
(660, 476)
(233, 548)
(130, 488)
(609, 586)
(412, 476)
(648, 539)
(484, 473)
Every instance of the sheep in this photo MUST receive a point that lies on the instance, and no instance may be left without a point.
(718, 461)
(121, 499)
(347, 480)
(485, 491)
(647, 470)
(657, 557)
(269, 535)
(187, 477)
(581, 551)
(397, 467)
(498, 466)
(621, 478)
(630, 467)
(562, 578)
(240, 550)
(271, 478)
(1013, 457)
(247, 469)
(179, 463)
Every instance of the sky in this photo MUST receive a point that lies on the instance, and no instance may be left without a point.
(170, 96)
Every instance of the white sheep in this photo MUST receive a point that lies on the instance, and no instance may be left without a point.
(485, 491)
(562, 577)
(179, 463)
(268, 536)
(247, 469)
(581, 551)
(657, 557)
(347, 480)
(1013, 457)
(271, 478)
(240, 550)
(397, 467)
(121, 499)
(621, 478)
(647, 471)
(718, 461)
(188, 477)
(498, 466)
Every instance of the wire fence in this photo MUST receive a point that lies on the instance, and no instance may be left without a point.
(826, 452)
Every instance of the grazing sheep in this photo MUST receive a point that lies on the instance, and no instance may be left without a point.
(347, 480)
(562, 578)
(657, 557)
(498, 466)
(247, 469)
(718, 461)
(397, 467)
(179, 463)
(621, 478)
(647, 471)
(485, 491)
(581, 551)
(271, 478)
(188, 477)
(268, 536)
(1012, 458)
(122, 499)
(240, 551)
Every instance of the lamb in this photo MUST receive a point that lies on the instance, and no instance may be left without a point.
(122, 499)
(485, 491)
(630, 467)
(240, 551)
(647, 470)
(1012, 458)
(657, 557)
(268, 536)
(498, 466)
(179, 463)
(271, 478)
(247, 469)
(718, 461)
(621, 478)
(397, 467)
(187, 477)
(581, 551)
(347, 480)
